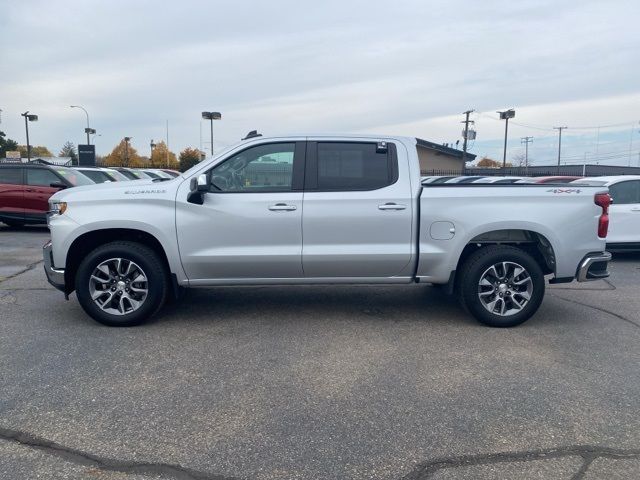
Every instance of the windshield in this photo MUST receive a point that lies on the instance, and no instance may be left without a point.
(134, 174)
(152, 174)
(97, 176)
(116, 175)
(74, 177)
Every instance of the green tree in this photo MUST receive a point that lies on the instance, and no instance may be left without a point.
(6, 145)
(69, 150)
(188, 158)
(36, 151)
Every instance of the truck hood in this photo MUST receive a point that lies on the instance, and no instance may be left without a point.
(114, 190)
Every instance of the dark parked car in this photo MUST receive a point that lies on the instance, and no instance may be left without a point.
(25, 190)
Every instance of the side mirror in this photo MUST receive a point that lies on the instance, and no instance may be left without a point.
(198, 186)
(58, 185)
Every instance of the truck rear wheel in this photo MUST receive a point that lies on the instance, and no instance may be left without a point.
(502, 286)
(121, 284)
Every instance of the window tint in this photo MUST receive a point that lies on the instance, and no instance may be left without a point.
(264, 168)
(625, 192)
(74, 177)
(353, 166)
(96, 175)
(41, 177)
(11, 175)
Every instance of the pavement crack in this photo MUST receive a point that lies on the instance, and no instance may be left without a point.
(104, 463)
(587, 452)
(600, 309)
(30, 266)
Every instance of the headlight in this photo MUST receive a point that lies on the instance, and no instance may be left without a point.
(57, 208)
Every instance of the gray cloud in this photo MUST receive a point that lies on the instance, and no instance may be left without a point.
(331, 66)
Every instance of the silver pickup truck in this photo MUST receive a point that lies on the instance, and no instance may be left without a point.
(321, 210)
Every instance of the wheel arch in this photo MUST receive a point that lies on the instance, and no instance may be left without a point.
(85, 243)
(532, 242)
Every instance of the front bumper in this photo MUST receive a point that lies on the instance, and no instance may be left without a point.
(594, 267)
(55, 276)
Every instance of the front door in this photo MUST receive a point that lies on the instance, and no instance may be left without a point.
(37, 192)
(250, 223)
(624, 212)
(357, 217)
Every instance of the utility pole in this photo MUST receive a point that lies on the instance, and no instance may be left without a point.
(559, 144)
(506, 115)
(465, 136)
(526, 141)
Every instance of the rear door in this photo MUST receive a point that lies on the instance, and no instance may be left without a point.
(624, 212)
(37, 191)
(357, 215)
(11, 193)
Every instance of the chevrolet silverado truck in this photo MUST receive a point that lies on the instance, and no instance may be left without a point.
(300, 210)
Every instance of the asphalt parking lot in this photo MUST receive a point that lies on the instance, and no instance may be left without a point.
(317, 383)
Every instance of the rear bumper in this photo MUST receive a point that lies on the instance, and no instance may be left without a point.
(55, 276)
(594, 267)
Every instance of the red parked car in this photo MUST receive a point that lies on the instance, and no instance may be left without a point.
(25, 190)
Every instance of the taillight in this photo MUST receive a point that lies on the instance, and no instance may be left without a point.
(603, 200)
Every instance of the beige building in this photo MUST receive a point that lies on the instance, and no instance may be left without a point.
(434, 157)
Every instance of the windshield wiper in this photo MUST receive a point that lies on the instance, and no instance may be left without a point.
(161, 179)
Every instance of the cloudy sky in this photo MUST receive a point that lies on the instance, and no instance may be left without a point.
(401, 67)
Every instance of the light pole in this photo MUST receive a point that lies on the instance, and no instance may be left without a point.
(28, 118)
(87, 130)
(506, 115)
(211, 116)
(126, 150)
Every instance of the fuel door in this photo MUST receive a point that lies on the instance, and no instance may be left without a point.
(442, 230)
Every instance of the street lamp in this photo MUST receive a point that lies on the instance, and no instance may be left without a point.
(87, 130)
(211, 116)
(506, 115)
(126, 150)
(28, 118)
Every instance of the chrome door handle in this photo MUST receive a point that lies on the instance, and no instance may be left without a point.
(635, 209)
(391, 206)
(282, 207)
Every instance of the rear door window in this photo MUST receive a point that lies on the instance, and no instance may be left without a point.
(352, 166)
(12, 176)
(41, 177)
(625, 192)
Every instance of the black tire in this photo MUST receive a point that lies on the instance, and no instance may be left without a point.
(157, 283)
(472, 272)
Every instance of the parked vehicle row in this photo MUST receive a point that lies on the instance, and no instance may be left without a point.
(25, 188)
(467, 179)
(322, 210)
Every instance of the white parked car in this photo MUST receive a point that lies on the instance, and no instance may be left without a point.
(624, 212)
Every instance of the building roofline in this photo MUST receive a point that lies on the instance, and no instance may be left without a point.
(452, 152)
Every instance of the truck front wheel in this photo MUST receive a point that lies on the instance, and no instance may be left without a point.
(121, 284)
(502, 286)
